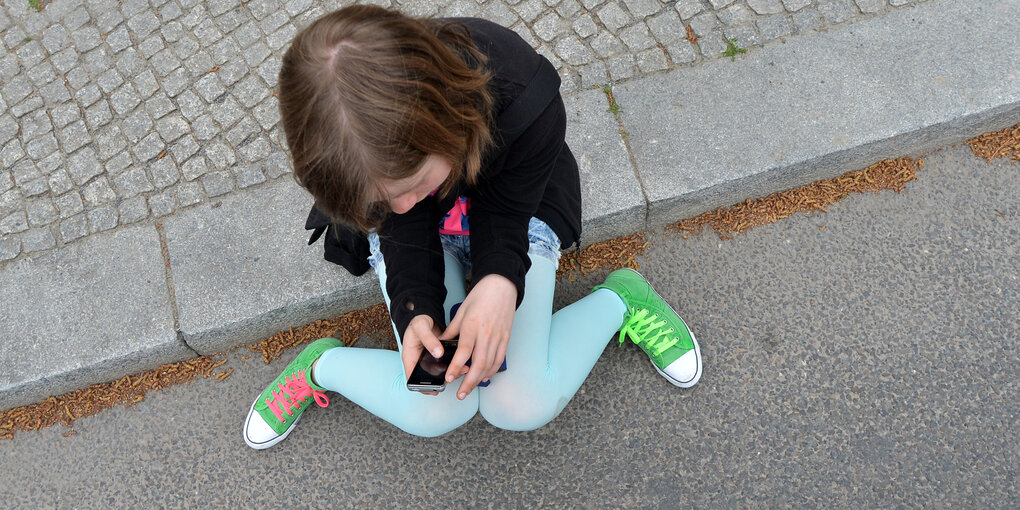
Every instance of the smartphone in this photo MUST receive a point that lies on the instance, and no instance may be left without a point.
(429, 373)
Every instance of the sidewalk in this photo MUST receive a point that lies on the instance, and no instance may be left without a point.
(147, 212)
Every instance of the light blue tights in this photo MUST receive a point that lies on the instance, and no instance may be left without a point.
(548, 358)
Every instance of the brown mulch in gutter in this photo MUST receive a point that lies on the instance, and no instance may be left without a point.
(891, 174)
(1000, 144)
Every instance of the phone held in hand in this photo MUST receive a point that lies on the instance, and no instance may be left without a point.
(429, 373)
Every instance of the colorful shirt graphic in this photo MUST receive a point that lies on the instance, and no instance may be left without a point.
(456, 221)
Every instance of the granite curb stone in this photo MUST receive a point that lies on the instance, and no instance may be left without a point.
(822, 104)
(612, 203)
(242, 270)
(84, 314)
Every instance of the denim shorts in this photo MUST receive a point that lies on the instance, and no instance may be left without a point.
(542, 242)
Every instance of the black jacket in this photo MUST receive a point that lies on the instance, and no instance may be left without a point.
(529, 172)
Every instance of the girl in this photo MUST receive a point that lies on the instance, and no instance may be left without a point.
(435, 150)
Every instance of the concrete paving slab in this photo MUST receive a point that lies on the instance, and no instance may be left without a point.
(822, 104)
(612, 203)
(242, 270)
(85, 314)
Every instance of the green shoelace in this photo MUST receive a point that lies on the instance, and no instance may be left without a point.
(644, 330)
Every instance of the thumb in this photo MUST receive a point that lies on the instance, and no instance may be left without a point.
(428, 338)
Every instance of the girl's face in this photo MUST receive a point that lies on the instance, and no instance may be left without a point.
(403, 194)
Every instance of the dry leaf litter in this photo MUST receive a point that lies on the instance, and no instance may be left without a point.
(891, 174)
(1000, 144)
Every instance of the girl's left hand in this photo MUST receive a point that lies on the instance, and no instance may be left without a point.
(483, 323)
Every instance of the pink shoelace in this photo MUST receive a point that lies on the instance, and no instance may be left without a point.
(293, 391)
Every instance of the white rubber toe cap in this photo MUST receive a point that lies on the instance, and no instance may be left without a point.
(686, 370)
(258, 434)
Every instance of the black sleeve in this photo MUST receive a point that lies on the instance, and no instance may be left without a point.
(414, 265)
(505, 202)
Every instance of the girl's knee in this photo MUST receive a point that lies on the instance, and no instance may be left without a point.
(435, 415)
(520, 414)
(435, 429)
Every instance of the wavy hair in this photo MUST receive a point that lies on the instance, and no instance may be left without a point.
(367, 94)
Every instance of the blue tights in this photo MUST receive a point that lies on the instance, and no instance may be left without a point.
(548, 358)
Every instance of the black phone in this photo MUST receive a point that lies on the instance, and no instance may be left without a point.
(429, 373)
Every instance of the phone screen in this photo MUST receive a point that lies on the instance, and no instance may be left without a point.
(430, 372)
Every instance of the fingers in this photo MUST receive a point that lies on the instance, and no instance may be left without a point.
(500, 356)
(496, 359)
(464, 352)
(471, 380)
(482, 357)
(486, 357)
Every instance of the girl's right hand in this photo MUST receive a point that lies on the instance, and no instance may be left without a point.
(421, 333)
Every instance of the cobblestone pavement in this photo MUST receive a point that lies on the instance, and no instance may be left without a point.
(119, 112)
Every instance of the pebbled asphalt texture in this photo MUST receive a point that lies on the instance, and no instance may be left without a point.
(862, 357)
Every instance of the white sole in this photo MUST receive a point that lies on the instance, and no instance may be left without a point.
(265, 444)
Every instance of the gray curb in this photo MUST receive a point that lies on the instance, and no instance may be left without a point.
(237, 270)
(818, 106)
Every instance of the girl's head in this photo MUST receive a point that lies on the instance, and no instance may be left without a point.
(377, 106)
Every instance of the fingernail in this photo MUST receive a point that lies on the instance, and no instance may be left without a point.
(449, 378)
(437, 353)
(462, 396)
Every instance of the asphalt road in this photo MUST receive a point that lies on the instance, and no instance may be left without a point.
(869, 363)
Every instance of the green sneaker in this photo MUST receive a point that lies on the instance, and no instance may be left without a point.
(275, 412)
(655, 327)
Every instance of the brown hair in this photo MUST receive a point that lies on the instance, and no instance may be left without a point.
(368, 94)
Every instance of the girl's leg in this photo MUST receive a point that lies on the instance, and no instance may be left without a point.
(549, 355)
(374, 378)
